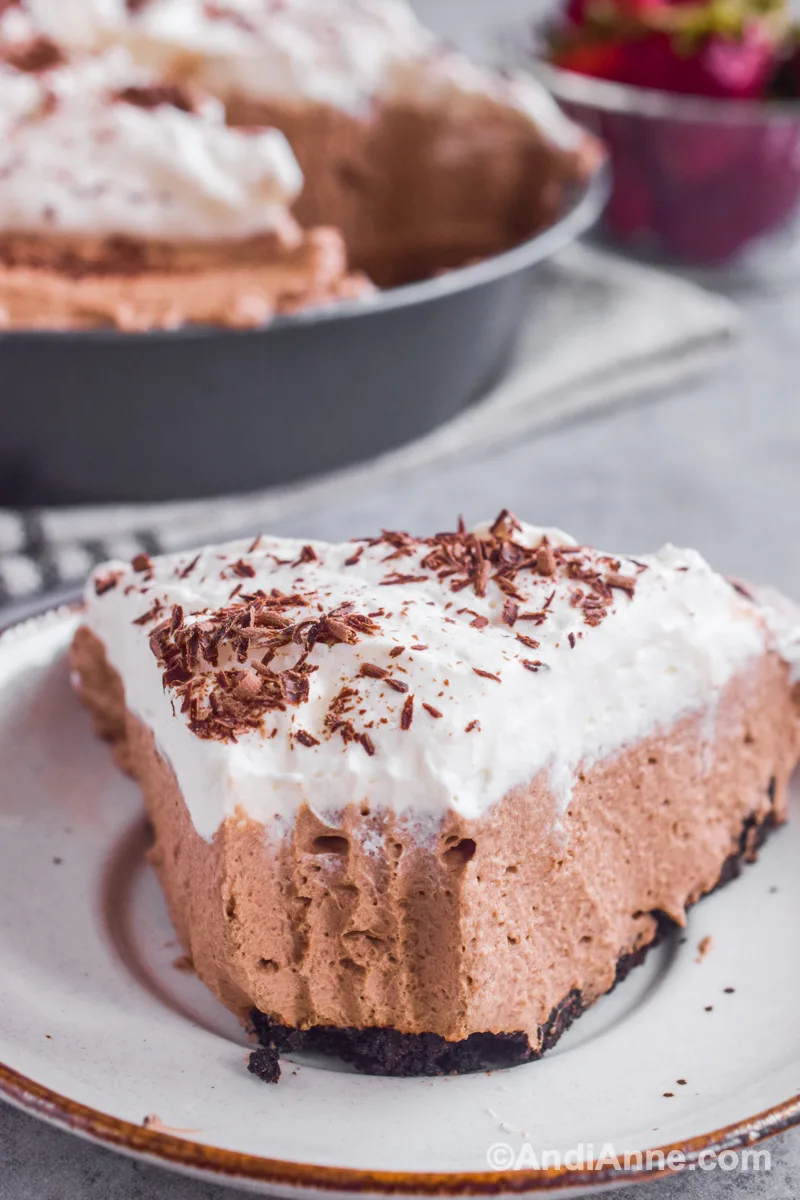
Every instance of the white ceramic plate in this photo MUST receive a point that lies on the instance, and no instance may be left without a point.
(99, 1029)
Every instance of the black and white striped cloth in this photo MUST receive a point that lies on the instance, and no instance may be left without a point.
(32, 564)
(610, 331)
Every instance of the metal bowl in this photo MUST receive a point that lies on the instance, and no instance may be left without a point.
(108, 416)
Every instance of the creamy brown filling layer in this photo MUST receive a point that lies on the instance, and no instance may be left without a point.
(416, 191)
(72, 283)
(486, 925)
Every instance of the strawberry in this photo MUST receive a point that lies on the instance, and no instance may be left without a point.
(736, 70)
(684, 47)
(598, 59)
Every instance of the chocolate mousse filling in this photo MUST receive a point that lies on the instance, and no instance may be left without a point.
(389, 1052)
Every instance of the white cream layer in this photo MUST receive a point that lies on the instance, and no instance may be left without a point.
(665, 652)
(76, 161)
(345, 53)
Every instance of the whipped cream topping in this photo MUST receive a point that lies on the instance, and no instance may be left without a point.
(99, 147)
(336, 51)
(418, 675)
(19, 96)
(346, 53)
(783, 617)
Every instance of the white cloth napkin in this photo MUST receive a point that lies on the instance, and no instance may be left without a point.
(608, 330)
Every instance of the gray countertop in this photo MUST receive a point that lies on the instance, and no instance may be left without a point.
(715, 466)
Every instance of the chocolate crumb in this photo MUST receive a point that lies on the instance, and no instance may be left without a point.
(472, 727)
(434, 712)
(739, 587)
(248, 686)
(682, 1082)
(545, 560)
(106, 583)
(152, 614)
(571, 640)
(407, 713)
(709, 1008)
(186, 571)
(396, 651)
(487, 675)
(305, 739)
(395, 578)
(243, 569)
(703, 947)
(531, 643)
(221, 12)
(264, 1063)
(668, 1095)
(154, 95)
(396, 684)
(624, 583)
(729, 991)
(373, 671)
(142, 562)
(366, 742)
(510, 612)
(37, 54)
(419, 647)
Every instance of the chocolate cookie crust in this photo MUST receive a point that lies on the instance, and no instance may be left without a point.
(388, 1052)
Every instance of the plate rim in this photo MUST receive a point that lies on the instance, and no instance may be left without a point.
(183, 1154)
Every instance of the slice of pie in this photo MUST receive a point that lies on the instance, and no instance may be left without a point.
(418, 802)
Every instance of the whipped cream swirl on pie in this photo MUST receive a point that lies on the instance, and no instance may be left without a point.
(345, 53)
(425, 675)
(101, 148)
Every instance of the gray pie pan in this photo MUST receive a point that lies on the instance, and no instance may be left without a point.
(101, 415)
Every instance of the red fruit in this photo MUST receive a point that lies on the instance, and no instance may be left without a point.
(736, 70)
(636, 8)
(578, 12)
(715, 66)
(575, 12)
(598, 60)
(721, 68)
